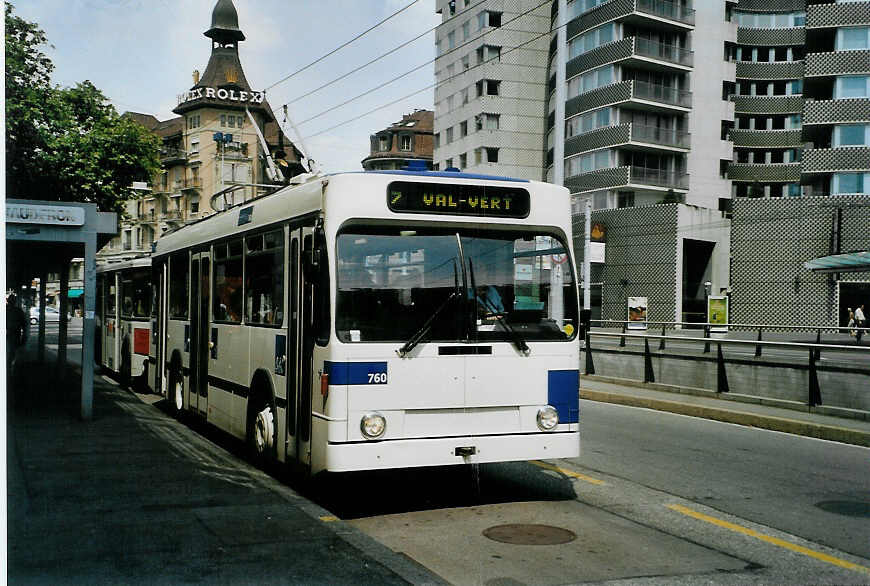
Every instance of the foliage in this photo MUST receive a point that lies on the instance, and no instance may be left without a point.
(66, 144)
(672, 197)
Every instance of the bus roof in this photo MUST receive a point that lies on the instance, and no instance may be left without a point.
(448, 175)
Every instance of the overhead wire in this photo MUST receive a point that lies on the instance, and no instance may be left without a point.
(342, 46)
(432, 85)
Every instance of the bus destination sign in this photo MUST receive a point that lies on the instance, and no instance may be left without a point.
(458, 200)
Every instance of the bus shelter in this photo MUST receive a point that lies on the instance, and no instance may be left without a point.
(42, 237)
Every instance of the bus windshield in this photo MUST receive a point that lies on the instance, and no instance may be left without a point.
(497, 285)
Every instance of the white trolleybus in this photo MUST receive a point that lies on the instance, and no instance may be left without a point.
(378, 320)
(124, 310)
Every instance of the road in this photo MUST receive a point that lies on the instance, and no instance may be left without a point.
(784, 481)
(654, 498)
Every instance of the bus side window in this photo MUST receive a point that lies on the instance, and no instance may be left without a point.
(316, 267)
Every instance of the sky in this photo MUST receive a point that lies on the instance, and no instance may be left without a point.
(142, 53)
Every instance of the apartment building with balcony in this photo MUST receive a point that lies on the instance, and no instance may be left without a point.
(211, 146)
(639, 130)
(802, 158)
(490, 96)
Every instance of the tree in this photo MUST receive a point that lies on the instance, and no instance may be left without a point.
(66, 144)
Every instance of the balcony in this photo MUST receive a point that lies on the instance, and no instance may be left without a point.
(764, 173)
(771, 37)
(667, 137)
(838, 63)
(766, 138)
(172, 156)
(172, 216)
(663, 94)
(630, 177)
(821, 16)
(640, 136)
(635, 52)
(665, 14)
(191, 183)
(849, 159)
(771, 70)
(793, 104)
(828, 112)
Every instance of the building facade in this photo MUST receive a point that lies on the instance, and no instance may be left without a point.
(691, 130)
(409, 139)
(211, 155)
(490, 95)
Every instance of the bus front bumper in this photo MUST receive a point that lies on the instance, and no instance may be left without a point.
(409, 453)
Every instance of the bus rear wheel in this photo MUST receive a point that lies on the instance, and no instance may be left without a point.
(262, 434)
(126, 368)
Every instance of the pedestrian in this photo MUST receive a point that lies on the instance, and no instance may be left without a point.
(860, 322)
(851, 324)
(16, 332)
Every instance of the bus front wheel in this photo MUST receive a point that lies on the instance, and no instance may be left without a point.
(176, 392)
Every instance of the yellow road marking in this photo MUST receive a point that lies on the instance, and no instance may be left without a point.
(329, 518)
(567, 472)
(773, 540)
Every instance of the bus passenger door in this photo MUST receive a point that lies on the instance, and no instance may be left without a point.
(300, 350)
(292, 369)
(200, 290)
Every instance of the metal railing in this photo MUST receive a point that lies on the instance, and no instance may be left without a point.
(662, 93)
(659, 135)
(813, 350)
(659, 177)
(663, 51)
(673, 10)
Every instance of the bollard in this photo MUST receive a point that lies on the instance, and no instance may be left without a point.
(707, 336)
(590, 366)
(758, 346)
(622, 339)
(818, 341)
(662, 342)
(815, 397)
(648, 374)
(722, 377)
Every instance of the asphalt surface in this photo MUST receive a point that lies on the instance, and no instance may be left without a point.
(134, 496)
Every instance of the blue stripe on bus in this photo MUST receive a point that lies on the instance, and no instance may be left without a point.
(356, 373)
(563, 393)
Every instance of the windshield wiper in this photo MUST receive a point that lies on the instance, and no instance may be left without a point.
(501, 316)
(424, 329)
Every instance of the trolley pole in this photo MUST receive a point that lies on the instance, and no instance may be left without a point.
(587, 252)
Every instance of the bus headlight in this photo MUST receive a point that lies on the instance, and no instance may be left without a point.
(548, 419)
(373, 425)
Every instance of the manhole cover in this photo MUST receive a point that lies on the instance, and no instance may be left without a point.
(848, 508)
(522, 534)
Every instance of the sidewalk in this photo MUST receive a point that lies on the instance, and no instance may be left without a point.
(728, 407)
(135, 497)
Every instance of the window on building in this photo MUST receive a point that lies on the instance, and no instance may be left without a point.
(437, 137)
(405, 142)
(844, 183)
(383, 143)
(451, 40)
(194, 206)
(451, 7)
(852, 135)
(488, 18)
(466, 30)
(591, 39)
(488, 53)
(591, 80)
(464, 96)
(853, 38)
(463, 160)
(223, 119)
(448, 163)
(194, 146)
(488, 87)
(852, 86)
(448, 135)
(239, 121)
(491, 155)
(463, 128)
(625, 199)
(491, 121)
(231, 121)
(466, 62)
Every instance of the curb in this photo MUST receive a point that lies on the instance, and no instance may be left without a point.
(816, 430)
